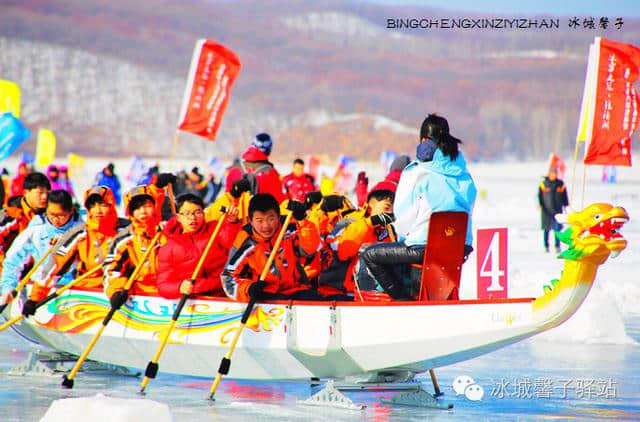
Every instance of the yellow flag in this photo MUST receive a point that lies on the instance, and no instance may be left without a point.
(9, 97)
(46, 147)
(75, 160)
(326, 185)
(587, 107)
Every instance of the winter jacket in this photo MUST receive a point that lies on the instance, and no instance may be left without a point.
(267, 178)
(16, 185)
(32, 244)
(127, 249)
(250, 253)
(345, 240)
(178, 258)
(297, 187)
(112, 182)
(552, 197)
(214, 211)
(85, 246)
(426, 187)
(325, 221)
(13, 220)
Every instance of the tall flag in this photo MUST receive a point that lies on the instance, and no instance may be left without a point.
(555, 162)
(45, 148)
(9, 97)
(12, 134)
(213, 70)
(612, 103)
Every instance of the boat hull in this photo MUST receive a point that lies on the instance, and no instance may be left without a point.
(282, 340)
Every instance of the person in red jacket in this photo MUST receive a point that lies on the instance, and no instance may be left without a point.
(298, 183)
(187, 236)
(18, 181)
(256, 167)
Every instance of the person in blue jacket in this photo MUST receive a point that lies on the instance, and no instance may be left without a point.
(108, 178)
(36, 240)
(437, 180)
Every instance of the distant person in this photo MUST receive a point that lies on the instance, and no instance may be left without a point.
(6, 187)
(552, 197)
(256, 167)
(108, 178)
(65, 182)
(437, 180)
(298, 183)
(54, 177)
(195, 183)
(18, 180)
(362, 186)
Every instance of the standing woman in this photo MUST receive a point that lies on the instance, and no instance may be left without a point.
(437, 180)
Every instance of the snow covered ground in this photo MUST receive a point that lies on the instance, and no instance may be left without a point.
(586, 368)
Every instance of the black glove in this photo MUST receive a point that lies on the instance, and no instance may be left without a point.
(239, 186)
(312, 198)
(29, 307)
(382, 219)
(467, 251)
(298, 209)
(255, 290)
(332, 203)
(165, 178)
(118, 299)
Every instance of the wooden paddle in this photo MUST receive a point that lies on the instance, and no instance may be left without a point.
(172, 199)
(51, 296)
(27, 277)
(225, 363)
(67, 379)
(152, 366)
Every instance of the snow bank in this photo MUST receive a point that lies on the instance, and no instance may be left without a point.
(598, 321)
(102, 408)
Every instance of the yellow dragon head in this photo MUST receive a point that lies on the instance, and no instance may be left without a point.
(593, 233)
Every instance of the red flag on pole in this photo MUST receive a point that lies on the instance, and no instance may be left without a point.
(213, 70)
(615, 117)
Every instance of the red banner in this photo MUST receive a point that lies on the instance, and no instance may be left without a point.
(491, 265)
(213, 70)
(616, 104)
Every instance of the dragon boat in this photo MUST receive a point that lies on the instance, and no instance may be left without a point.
(297, 340)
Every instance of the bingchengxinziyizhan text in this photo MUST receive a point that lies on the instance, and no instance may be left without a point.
(588, 23)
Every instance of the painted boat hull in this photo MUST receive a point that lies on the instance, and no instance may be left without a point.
(282, 340)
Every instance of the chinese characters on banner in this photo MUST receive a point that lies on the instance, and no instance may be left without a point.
(213, 70)
(615, 103)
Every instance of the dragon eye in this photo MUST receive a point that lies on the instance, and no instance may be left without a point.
(597, 217)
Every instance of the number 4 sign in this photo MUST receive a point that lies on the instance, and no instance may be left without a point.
(492, 263)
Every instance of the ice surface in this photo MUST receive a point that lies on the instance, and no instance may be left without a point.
(101, 408)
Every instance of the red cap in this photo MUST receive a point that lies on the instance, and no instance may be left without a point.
(384, 185)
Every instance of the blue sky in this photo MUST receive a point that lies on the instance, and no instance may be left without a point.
(610, 8)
